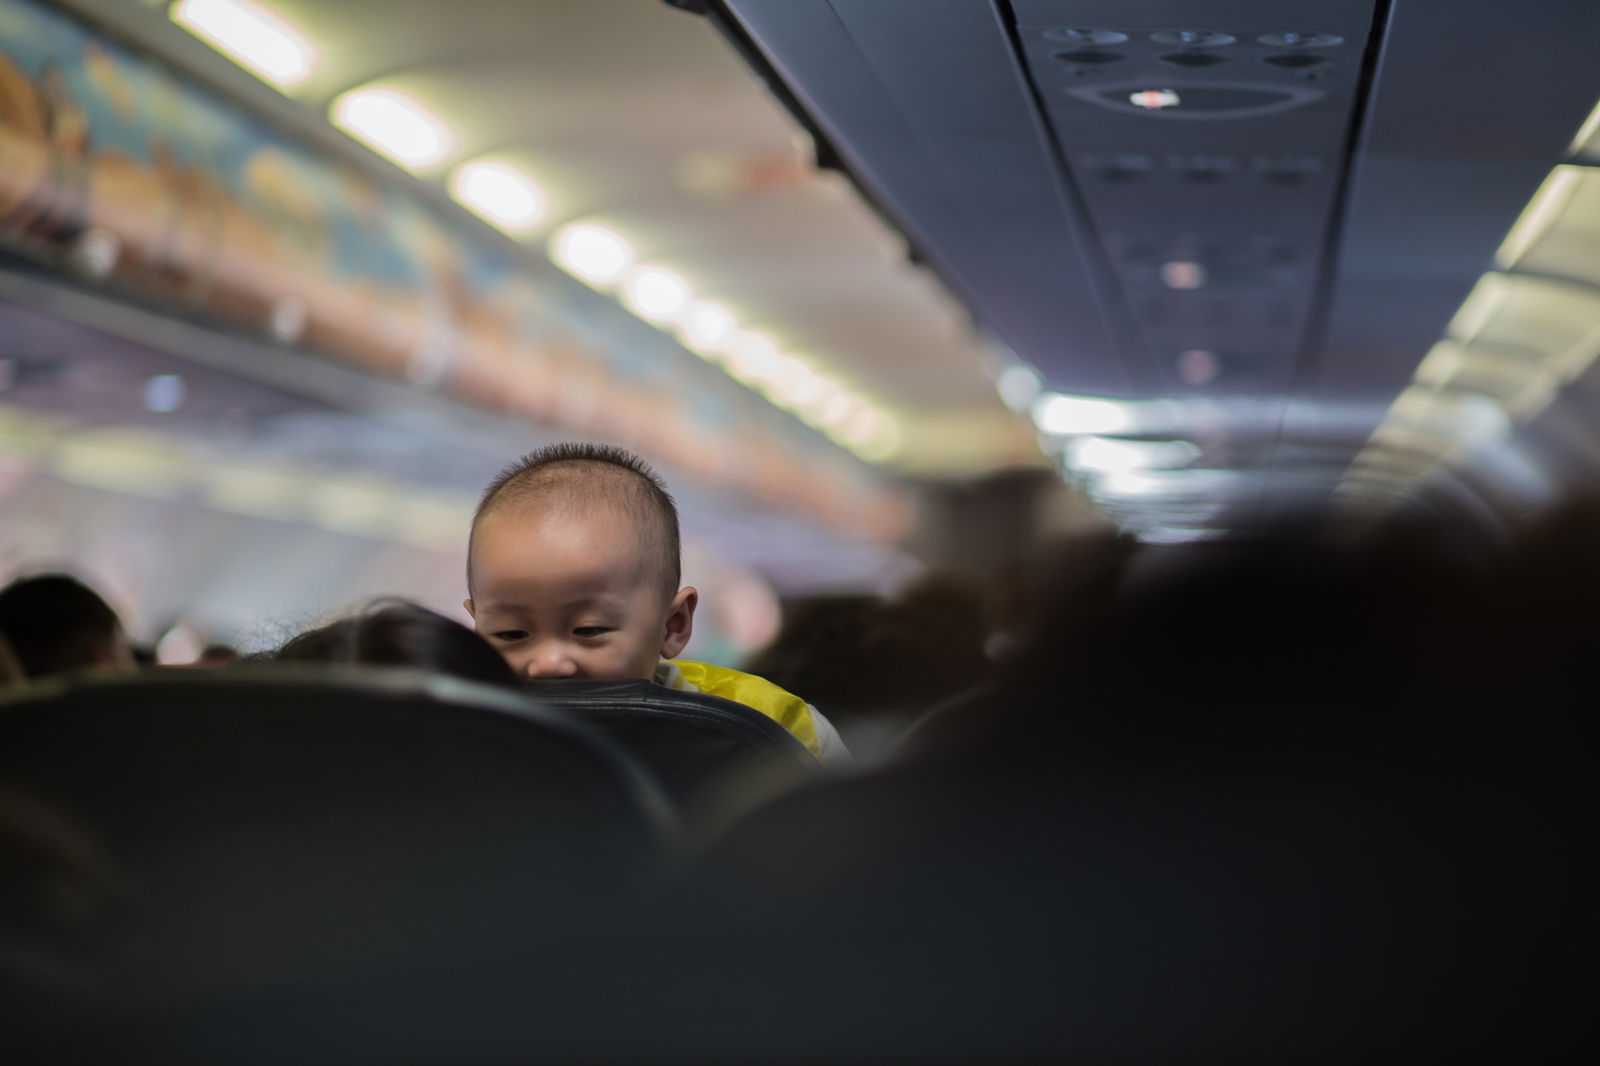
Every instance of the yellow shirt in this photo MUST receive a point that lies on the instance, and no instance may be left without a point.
(785, 708)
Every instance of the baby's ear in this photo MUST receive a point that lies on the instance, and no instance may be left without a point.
(680, 622)
(467, 603)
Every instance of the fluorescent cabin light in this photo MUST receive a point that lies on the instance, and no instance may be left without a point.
(863, 425)
(1111, 456)
(1176, 534)
(1128, 483)
(252, 35)
(837, 409)
(795, 384)
(752, 356)
(884, 442)
(391, 122)
(500, 193)
(593, 253)
(655, 294)
(1056, 413)
(707, 326)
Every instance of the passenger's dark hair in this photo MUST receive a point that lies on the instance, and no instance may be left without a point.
(583, 473)
(54, 622)
(398, 633)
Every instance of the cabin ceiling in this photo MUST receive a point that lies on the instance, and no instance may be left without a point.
(1252, 219)
(1248, 220)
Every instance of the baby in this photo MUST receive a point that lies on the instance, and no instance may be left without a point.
(572, 572)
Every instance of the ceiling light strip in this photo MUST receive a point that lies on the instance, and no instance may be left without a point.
(601, 257)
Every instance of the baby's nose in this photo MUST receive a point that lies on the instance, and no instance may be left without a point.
(551, 661)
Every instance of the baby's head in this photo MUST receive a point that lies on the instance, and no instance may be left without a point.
(573, 566)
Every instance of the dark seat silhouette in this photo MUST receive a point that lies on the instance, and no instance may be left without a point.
(282, 824)
(707, 752)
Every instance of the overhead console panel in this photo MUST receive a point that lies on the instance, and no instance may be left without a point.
(929, 111)
(1209, 161)
(1137, 206)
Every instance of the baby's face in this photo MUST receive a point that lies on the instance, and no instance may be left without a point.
(573, 595)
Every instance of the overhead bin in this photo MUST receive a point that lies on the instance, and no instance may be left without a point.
(131, 177)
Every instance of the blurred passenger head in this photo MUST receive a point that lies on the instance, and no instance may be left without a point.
(573, 566)
(396, 633)
(217, 655)
(54, 622)
(864, 655)
(1287, 638)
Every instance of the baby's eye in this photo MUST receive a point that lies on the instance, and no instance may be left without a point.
(591, 631)
(509, 634)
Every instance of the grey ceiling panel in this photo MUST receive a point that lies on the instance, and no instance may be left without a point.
(1472, 103)
(1211, 148)
(925, 102)
(1274, 206)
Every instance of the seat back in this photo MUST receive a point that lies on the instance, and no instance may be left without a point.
(712, 756)
(274, 824)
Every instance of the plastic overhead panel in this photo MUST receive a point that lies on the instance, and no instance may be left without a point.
(118, 171)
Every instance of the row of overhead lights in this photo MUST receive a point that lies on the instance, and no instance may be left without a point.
(604, 259)
(396, 126)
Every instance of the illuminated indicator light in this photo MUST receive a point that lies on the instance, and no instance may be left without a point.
(591, 252)
(1059, 414)
(1198, 366)
(1154, 99)
(164, 393)
(654, 294)
(394, 124)
(707, 326)
(1183, 274)
(254, 36)
(500, 194)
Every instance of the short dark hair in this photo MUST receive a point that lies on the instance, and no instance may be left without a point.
(400, 633)
(55, 622)
(583, 473)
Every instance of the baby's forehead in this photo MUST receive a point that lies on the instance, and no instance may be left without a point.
(533, 513)
(614, 534)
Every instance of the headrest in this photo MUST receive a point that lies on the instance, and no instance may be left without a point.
(265, 822)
